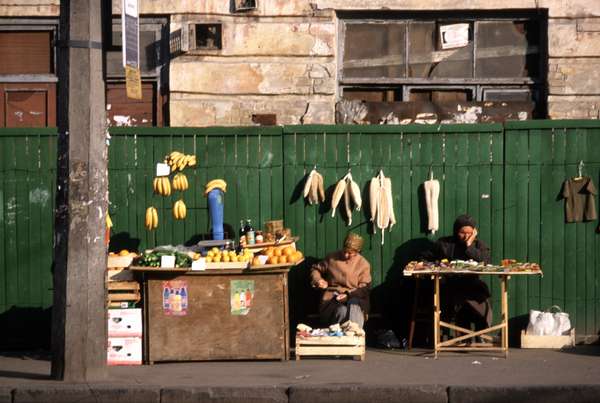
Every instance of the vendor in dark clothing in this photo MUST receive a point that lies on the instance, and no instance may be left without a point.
(467, 297)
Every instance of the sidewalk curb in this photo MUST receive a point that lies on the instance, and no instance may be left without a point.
(83, 393)
(520, 393)
(224, 394)
(368, 393)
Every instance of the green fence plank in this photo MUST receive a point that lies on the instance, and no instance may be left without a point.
(253, 180)
(592, 263)
(558, 240)
(22, 220)
(10, 221)
(4, 284)
(570, 240)
(35, 199)
(547, 209)
(534, 217)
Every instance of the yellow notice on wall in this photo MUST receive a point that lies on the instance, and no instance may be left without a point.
(133, 82)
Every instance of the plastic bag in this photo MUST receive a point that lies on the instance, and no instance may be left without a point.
(551, 322)
(387, 339)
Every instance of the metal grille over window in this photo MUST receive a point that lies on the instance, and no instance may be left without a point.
(490, 64)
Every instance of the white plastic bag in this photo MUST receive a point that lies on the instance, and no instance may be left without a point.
(551, 322)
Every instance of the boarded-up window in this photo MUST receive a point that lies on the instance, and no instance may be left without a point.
(508, 49)
(427, 59)
(123, 111)
(375, 50)
(27, 104)
(26, 52)
(446, 57)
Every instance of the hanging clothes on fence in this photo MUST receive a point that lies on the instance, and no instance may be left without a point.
(432, 193)
(579, 194)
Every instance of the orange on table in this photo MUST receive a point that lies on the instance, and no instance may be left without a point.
(288, 251)
(124, 252)
(283, 259)
(278, 252)
(273, 260)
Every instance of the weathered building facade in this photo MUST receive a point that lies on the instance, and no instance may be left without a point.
(240, 62)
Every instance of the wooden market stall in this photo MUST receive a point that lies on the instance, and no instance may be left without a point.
(216, 314)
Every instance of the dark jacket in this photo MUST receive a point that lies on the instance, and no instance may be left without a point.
(462, 287)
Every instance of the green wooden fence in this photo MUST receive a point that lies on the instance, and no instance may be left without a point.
(508, 177)
(539, 157)
(27, 191)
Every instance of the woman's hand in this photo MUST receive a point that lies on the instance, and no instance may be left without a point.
(322, 284)
(471, 238)
(341, 297)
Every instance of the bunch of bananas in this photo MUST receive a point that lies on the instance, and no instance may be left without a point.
(162, 185)
(151, 221)
(179, 210)
(180, 182)
(177, 160)
(215, 184)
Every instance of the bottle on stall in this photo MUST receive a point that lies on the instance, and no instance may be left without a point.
(259, 237)
(250, 240)
(242, 233)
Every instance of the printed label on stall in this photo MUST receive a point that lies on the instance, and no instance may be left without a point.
(175, 298)
(241, 296)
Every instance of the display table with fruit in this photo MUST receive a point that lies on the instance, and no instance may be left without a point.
(217, 312)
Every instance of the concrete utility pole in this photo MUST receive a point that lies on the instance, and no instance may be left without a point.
(78, 314)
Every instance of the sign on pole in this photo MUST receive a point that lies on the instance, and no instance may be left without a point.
(131, 46)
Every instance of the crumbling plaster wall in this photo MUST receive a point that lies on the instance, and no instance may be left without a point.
(281, 58)
(29, 8)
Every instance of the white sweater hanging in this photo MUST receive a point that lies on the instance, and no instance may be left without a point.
(432, 193)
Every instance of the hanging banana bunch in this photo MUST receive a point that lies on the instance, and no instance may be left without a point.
(180, 182)
(314, 190)
(350, 190)
(381, 203)
(151, 221)
(179, 210)
(162, 185)
(178, 160)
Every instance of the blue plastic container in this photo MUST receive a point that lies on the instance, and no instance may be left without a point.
(215, 208)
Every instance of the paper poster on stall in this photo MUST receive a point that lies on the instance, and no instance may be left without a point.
(241, 296)
(175, 298)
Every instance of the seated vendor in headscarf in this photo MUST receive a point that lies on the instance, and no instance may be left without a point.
(467, 297)
(345, 278)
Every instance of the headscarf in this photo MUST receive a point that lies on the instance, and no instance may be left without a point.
(463, 220)
(354, 242)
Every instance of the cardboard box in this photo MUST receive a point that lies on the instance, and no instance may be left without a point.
(553, 342)
(124, 351)
(125, 322)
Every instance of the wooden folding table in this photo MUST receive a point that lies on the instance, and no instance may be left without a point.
(459, 343)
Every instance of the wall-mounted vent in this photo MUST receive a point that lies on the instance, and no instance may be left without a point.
(205, 36)
(245, 5)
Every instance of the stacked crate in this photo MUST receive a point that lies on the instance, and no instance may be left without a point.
(124, 321)
(123, 290)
